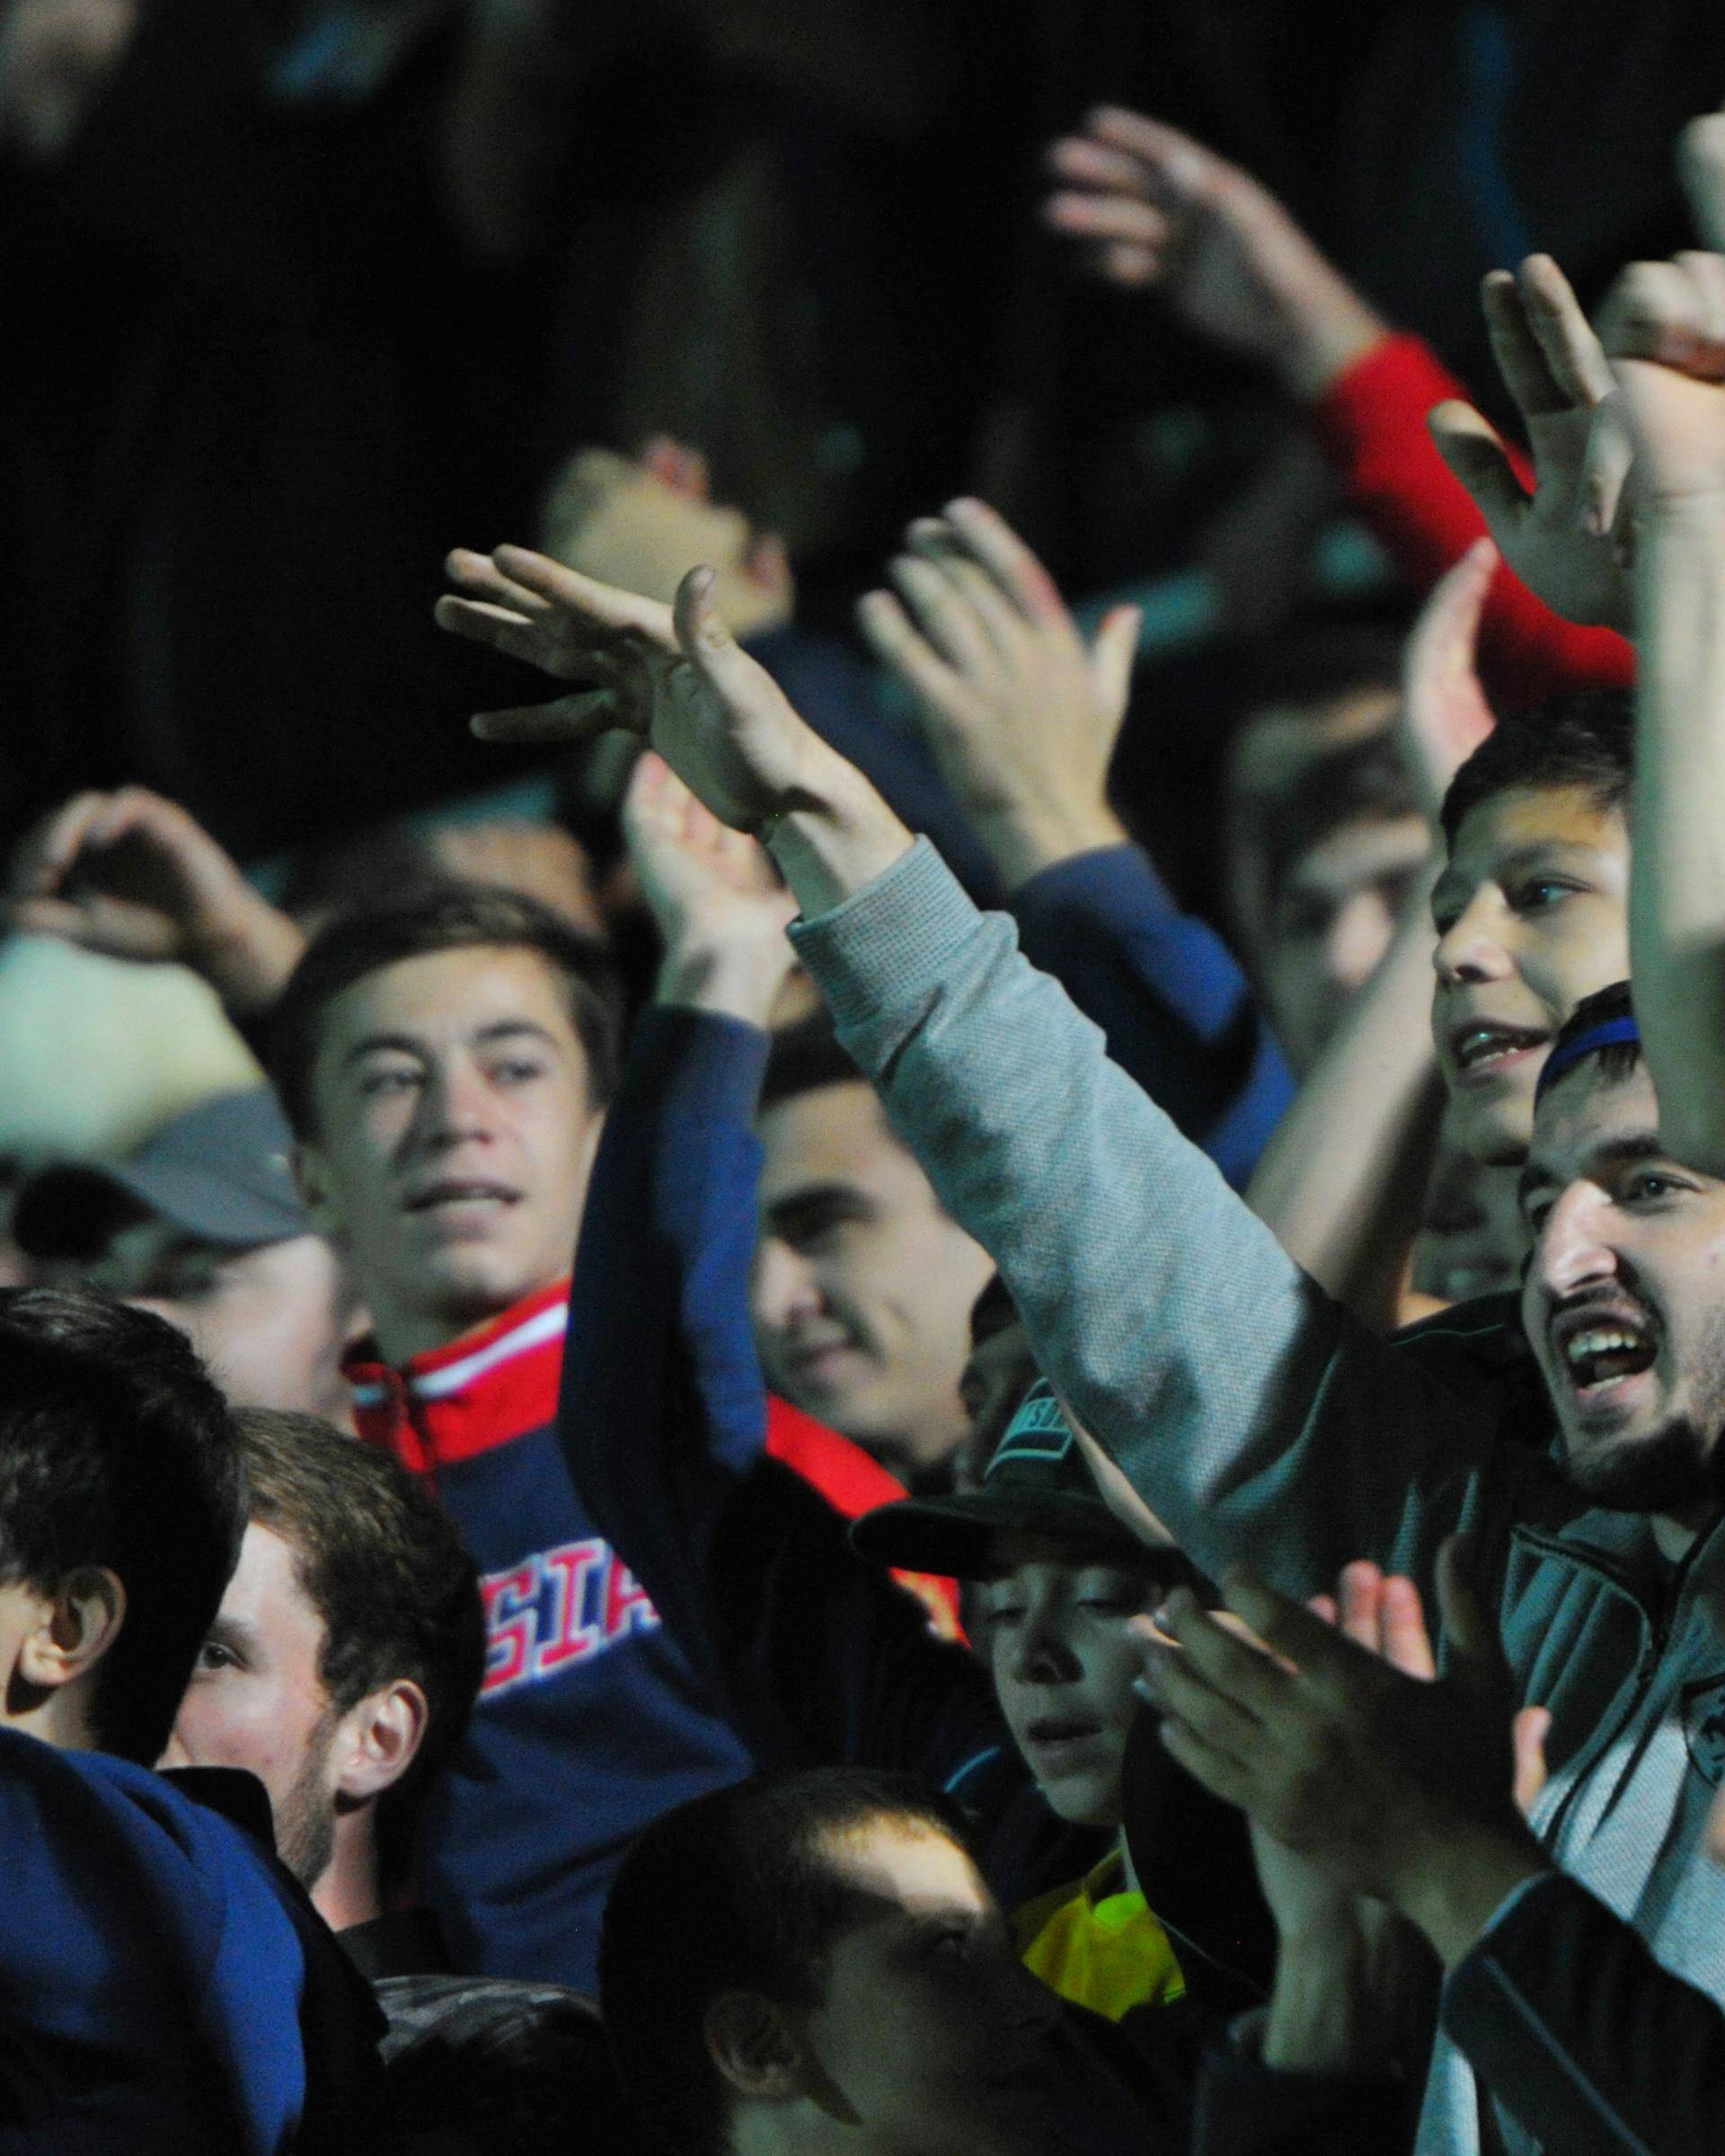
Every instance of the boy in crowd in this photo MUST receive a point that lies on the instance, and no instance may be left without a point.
(445, 1064)
(852, 1986)
(1251, 1415)
(164, 1984)
(341, 1670)
(863, 1285)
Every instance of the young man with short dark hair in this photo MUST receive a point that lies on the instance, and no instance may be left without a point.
(341, 1666)
(852, 1985)
(863, 1285)
(166, 1984)
(446, 1064)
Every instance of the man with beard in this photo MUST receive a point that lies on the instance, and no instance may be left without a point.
(341, 1670)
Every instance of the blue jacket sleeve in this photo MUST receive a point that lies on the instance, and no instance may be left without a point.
(1169, 995)
(817, 1655)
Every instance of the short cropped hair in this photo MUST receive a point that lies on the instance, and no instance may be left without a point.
(383, 1564)
(118, 1451)
(805, 1057)
(738, 1891)
(434, 917)
(1617, 1059)
(1585, 739)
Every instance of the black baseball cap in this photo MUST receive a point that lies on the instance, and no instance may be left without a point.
(221, 1173)
(1037, 1482)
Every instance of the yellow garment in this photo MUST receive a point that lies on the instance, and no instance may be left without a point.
(1097, 1945)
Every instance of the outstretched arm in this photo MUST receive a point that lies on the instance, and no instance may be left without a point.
(1664, 327)
(1156, 208)
(818, 1655)
(1343, 1179)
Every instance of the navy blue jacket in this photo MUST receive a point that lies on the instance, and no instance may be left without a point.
(818, 1655)
(164, 1986)
(591, 1720)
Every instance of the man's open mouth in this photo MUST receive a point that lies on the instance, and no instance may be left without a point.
(1599, 1349)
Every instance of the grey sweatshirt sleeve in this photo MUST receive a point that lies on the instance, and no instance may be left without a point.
(1256, 1418)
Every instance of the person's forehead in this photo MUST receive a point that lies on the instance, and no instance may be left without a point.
(442, 998)
(1363, 852)
(901, 1867)
(1585, 1113)
(267, 1593)
(1524, 817)
(836, 1133)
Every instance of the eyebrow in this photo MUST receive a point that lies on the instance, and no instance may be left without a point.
(404, 1044)
(1616, 1152)
(809, 1196)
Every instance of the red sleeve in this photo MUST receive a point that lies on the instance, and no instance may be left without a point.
(1371, 423)
(852, 1483)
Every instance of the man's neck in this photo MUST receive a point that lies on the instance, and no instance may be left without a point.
(61, 1720)
(404, 1334)
(347, 1893)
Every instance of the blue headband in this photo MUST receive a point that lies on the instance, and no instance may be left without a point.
(1564, 1057)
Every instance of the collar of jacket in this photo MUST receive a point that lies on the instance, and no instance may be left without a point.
(485, 1390)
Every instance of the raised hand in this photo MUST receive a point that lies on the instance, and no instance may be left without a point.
(1159, 209)
(1397, 1784)
(719, 902)
(1567, 539)
(1444, 716)
(1020, 715)
(1663, 328)
(675, 676)
(136, 877)
(671, 673)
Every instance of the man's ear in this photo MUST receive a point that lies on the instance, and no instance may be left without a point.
(311, 1175)
(379, 1740)
(78, 1622)
(751, 2041)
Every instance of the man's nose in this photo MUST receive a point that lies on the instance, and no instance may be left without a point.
(1471, 950)
(785, 1287)
(1573, 1250)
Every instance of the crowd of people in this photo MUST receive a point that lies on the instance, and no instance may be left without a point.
(804, 1452)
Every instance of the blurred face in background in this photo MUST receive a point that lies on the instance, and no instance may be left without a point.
(863, 1285)
(1331, 919)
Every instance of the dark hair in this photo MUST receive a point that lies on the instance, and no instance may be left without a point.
(737, 1891)
(805, 1057)
(1586, 740)
(1617, 1059)
(437, 916)
(1364, 783)
(384, 1565)
(118, 1451)
(1321, 662)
